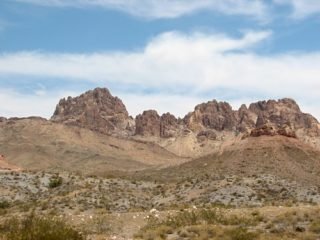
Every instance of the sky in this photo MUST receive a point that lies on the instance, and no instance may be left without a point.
(167, 55)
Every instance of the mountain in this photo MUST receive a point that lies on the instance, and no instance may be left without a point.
(96, 110)
(93, 133)
(99, 111)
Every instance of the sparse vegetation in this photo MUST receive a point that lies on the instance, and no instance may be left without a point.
(315, 227)
(38, 228)
(103, 206)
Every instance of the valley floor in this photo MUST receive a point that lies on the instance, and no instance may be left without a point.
(203, 207)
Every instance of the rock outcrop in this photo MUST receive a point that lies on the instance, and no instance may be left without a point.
(284, 116)
(169, 126)
(206, 135)
(148, 124)
(99, 111)
(211, 115)
(246, 119)
(269, 130)
(96, 110)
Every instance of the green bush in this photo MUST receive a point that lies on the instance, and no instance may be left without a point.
(4, 204)
(55, 182)
(38, 228)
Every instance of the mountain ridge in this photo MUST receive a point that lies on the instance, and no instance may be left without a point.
(94, 133)
(98, 110)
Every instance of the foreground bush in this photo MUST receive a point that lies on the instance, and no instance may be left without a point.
(38, 228)
(55, 182)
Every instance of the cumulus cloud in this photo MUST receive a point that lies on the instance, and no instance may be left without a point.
(182, 70)
(166, 8)
(301, 8)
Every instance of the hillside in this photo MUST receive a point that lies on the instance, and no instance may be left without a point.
(38, 144)
(285, 158)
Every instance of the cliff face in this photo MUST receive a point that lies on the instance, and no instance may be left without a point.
(98, 110)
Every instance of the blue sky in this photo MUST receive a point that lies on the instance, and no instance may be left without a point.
(167, 55)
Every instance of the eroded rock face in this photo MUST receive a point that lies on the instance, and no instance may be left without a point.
(97, 110)
(283, 112)
(206, 135)
(168, 125)
(282, 115)
(246, 119)
(269, 130)
(148, 124)
(211, 115)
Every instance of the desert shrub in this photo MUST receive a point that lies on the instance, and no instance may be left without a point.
(241, 234)
(184, 218)
(194, 217)
(38, 228)
(4, 204)
(55, 182)
(315, 227)
(210, 216)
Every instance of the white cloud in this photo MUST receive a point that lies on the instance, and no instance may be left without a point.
(168, 55)
(301, 8)
(172, 63)
(166, 8)
(23, 105)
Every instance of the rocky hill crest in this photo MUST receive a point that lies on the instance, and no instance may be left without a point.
(99, 111)
(96, 110)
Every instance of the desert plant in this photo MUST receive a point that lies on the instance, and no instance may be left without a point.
(55, 182)
(38, 228)
(241, 234)
(4, 204)
(315, 227)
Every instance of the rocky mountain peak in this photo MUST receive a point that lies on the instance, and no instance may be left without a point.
(168, 125)
(148, 123)
(97, 110)
(281, 113)
(211, 115)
